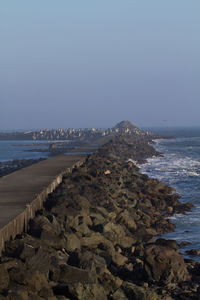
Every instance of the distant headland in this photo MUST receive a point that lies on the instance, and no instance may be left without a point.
(72, 133)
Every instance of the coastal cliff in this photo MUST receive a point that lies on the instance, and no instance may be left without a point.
(95, 237)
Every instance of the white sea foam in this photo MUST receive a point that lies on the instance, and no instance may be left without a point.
(180, 167)
(193, 174)
(171, 163)
(175, 216)
(133, 161)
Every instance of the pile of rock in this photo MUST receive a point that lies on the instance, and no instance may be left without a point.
(95, 237)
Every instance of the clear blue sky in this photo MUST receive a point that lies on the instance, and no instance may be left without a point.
(94, 63)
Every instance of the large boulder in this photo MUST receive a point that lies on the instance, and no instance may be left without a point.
(113, 232)
(126, 219)
(136, 292)
(4, 278)
(18, 248)
(96, 240)
(126, 242)
(38, 224)
(72, 242)
(119, 294)
(52, 239)
(118, 259)
(70, 274)
(82, 291)
(40, 261)
(108, 281)
(33, 280)
(79, 223)
(164, 264)
(18, 294)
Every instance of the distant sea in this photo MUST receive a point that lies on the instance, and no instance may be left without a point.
(180, 168)
(10, 150)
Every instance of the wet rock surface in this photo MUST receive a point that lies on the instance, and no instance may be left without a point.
(95, 238)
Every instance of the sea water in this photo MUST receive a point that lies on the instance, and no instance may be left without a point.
(10, 150)
(180, 167)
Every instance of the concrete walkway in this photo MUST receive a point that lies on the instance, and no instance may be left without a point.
(21, 187)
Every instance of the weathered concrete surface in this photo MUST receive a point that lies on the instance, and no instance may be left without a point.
(24, 191)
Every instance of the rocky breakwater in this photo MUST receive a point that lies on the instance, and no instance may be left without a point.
(95, 236)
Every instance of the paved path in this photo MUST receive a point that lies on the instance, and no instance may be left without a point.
(19, 188)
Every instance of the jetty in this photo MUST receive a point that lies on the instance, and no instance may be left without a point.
(95, 235)
(23, 192)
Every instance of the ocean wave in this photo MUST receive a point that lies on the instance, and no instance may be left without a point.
(171, 164)
(180, 167)
(195, 174)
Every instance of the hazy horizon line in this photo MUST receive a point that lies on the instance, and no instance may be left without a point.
(96, 127)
